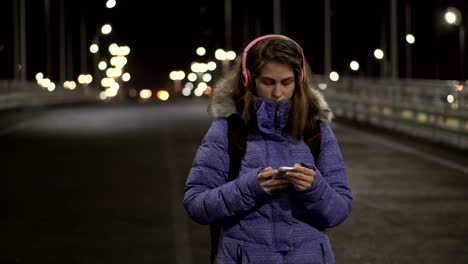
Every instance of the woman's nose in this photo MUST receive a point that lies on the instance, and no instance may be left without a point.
(276, 93)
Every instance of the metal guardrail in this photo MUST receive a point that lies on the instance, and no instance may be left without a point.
(436, 110)
(17, 94)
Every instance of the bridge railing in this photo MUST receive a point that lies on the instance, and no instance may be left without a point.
(17, 94)
(433, 109)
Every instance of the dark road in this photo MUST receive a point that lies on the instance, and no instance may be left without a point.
(103, 184)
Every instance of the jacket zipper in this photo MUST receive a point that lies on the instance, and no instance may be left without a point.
(277, 116)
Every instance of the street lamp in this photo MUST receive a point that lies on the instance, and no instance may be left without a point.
(453, 17)
(85, 80)
(177, 77)
(410, 39)
(225, 56)
(379, 55)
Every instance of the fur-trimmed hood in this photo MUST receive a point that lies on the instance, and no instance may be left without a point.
(223, 106)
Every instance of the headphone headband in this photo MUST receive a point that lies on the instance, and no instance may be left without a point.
(245, 71)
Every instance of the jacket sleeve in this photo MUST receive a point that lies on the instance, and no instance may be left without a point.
(329, 197)
(208, 197)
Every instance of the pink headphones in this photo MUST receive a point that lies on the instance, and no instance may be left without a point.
(245, 71)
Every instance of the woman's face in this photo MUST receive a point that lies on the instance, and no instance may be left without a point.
(275, 81)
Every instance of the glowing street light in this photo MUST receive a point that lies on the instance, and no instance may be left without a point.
(201, 51)
(94, 48)
(453, 16)
(211, 66)
(39, 76)
(126, 77)
(106, 29)
(334, 76)
(110, 4)
(177, 75)
(102, 65)
(354, 65)
(85, 78)
(192, 76)
(378, 54)
(162, 95)
(199, 67)
(410, 39)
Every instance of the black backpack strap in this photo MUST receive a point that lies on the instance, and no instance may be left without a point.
(215, 233)
(313, 140)
(237, 143)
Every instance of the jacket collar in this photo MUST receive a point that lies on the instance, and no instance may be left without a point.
(223, 106)
(272, 116)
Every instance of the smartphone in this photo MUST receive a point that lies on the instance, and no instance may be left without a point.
(282, 171)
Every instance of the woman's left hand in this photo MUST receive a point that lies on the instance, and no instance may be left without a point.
(301, 177)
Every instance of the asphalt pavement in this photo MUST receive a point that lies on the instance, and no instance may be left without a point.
(103, 184)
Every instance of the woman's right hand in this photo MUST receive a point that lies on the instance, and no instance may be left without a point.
(265, 178)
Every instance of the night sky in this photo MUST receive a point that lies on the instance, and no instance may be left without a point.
(164, 36)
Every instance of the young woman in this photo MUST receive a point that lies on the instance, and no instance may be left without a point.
(267, 219)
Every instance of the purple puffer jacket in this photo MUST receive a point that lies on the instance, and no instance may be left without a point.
(286, 226)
